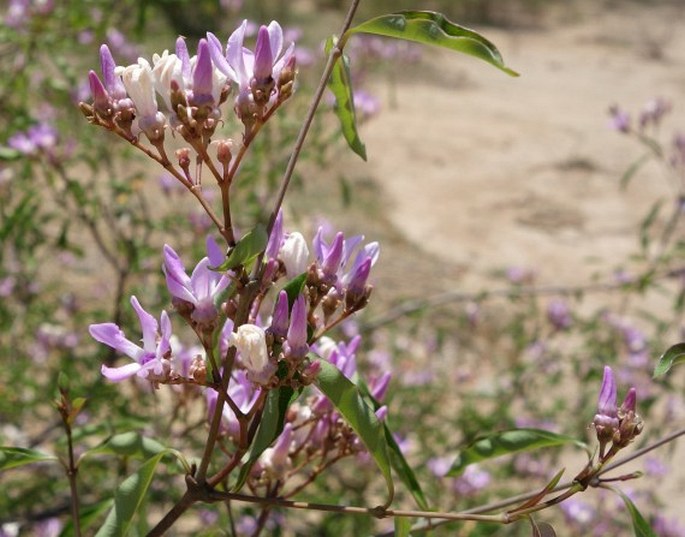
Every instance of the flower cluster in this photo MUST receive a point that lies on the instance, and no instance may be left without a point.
(183, 93)
(613, 424)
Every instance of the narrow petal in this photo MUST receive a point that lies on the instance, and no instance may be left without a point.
(214, 252)
(203, 74)
(276, 238)
(111, 335)
(216, 51)
(182, 54)
(275, 38)
(235, 54)
(297, 332)
(177, 281)
(607, 394)
(279, 320)
(263, 56)
(117, 374)
(148, 325)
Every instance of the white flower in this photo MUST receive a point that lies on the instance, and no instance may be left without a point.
(167, 67)
(139, 83)
(294, 254)
(250, 340)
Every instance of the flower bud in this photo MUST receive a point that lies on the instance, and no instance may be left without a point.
(294, 254)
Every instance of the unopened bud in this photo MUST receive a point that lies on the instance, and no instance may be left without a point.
(286, 78)
(183, 156)
(198, 370)
(223, 152)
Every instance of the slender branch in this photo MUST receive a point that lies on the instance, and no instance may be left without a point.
(72, 472)
(448, 297)
(309, 118)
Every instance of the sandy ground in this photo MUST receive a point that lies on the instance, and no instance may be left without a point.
(525, 171)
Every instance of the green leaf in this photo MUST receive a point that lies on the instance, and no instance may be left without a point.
(404, 471)
(129, 444)
(246, 250)
(640, 526)
(87, 517)
(294, 287)
(397, 460)
(341, 87)
(359, 415)
(508, 442)
(271, 425)
(13, 457)
(128, 498)
(430, 28)
(633, 169)
(7, 153)
(673, 356)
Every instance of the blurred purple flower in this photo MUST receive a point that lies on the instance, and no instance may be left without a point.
(620, 120)
(559, 315)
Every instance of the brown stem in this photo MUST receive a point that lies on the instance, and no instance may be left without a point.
(72, 472)
(309, 118)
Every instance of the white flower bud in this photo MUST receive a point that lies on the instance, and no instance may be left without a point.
(251, 343)
(294, 254)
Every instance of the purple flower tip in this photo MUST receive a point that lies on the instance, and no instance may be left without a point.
(607, 394)
(297, 332)
(630, 402)
(263, 56)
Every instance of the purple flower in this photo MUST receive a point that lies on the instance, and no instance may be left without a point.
(38, 137)
(334, 258)
(297, 332)
(199, 292)
(149, 361)
(239, 63)
(620, 120)
(559, 315)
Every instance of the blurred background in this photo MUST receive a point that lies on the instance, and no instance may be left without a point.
(531, 232)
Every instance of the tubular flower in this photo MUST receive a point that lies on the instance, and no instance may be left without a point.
(152, 360)
(198, 293)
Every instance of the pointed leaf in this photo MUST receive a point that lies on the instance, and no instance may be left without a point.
(430, 28)
(128, 499)
(294, 287)
(246, 250)
(673, 356)
(359, 415)
(271, 425)
(508, 442)
(13, 457)
(341, 87)
(640, 526)
(129, 444)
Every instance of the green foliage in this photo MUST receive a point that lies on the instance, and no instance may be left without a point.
(640, 526)
(673, 356)
(128, 499)
(347, 399)
(11, 457)
(507, 443)
(430, 28)
(278, 401)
